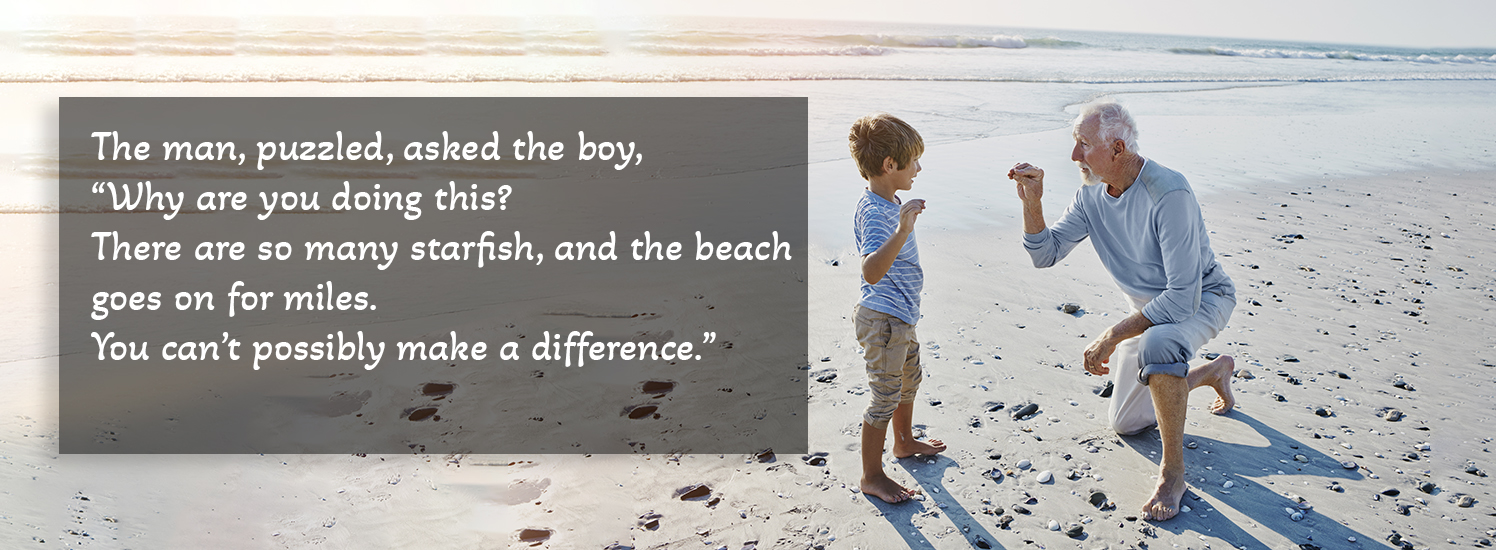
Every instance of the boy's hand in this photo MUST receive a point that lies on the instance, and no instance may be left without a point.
(908, 212)
(1030, 180)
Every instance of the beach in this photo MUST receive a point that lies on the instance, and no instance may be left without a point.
(1353, 215)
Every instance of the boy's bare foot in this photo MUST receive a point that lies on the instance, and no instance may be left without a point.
(933, 447)
(885, 488)
(1224, 367)
(1165, 501)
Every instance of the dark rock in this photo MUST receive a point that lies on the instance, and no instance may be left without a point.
(994, 406)
(1279, 397)
(1465, 501)
(1097, 499)
(1391, 491)
(1428, 487)
(1403, 509)
(1343, 376)
(766, 455)
(1403, 385)
(534, 535)
(994, 455)
(1019, 509)
(1074, 531)
(1069, 308)
(816, 459)
(1289, 359)
(1106, 392)
(1321, 411)
(975, 422)
(1393, 415)
(826, 376)
(1025, 411)
(980, 542)
(693, 491)
(1004, 521)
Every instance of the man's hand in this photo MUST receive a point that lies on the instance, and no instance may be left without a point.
(1098, 353)
(1030, 180)
(908, 213)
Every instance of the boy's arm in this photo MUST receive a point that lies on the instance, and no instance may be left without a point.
(877, 264)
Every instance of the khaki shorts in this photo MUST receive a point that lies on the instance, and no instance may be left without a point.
(891, 350)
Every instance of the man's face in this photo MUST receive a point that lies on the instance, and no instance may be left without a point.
(1094, 158)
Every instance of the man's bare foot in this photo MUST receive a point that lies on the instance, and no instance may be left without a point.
(1224, 367)
(933, 447)
(885, 488)
(1165, 501)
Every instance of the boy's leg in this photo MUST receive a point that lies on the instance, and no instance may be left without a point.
(904, 444)
(884, 350)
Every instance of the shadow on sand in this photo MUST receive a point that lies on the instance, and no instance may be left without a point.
(939, 504)
(1262, 503)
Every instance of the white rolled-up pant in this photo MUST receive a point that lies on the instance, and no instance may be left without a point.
(1162, 349)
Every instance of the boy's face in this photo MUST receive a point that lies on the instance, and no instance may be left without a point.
(902, 180)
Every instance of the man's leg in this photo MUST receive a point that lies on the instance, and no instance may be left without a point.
(1165, 352)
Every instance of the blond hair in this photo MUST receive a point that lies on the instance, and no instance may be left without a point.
(881, 135)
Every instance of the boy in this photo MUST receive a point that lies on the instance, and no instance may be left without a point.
(887, 152)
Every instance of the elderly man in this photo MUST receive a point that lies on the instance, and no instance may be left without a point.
(1146, 226)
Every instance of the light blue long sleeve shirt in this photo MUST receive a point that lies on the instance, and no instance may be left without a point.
(1152, 240)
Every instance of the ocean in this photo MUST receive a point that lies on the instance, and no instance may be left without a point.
(1241, 111)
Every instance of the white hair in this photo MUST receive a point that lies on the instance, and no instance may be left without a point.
(1116, 123)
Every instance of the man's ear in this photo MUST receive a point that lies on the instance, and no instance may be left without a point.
(1118, 146)
(889, 165)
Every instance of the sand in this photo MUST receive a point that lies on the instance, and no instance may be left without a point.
(1346, 287)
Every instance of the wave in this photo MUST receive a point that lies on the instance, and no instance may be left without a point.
(1271, 53)
(677, 49)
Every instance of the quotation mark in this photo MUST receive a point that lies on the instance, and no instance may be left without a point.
(708, 337)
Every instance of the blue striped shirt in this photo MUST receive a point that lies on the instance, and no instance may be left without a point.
(897, 293)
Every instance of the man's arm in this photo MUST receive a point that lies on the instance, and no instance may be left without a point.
(1046, 244)
(1100, 350)
(876, 264)
(1030, 180)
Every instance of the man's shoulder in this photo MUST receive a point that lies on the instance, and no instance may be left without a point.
(1160, 180)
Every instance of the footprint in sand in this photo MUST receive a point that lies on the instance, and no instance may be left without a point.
(657, 388)
(422, 413)
(637, 412)
(437, 390)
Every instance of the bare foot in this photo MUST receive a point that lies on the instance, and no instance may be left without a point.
(1165, 501)
(933, 447)
(1224, 367)
(885, 488)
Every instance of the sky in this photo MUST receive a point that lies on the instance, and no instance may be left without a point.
(1430, 23)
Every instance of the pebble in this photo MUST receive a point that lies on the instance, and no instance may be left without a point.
(1025, 410)
(1245, 374)
(1045, 476)
(1297, 516)
(1321, 411)
(1024, 464)
(1428, 487)
(1301, 458)
(1393, 415)
(1228, 484)
(1391, 491)
(1466, 501)
(1348, 464)
(1075, 530)
(1069, 308)
(1054, 525)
